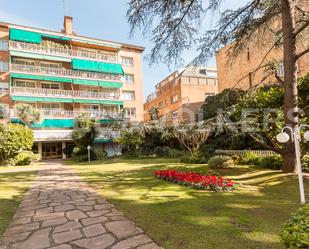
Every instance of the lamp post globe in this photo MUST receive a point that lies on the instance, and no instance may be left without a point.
(306, 136)
(283, 137)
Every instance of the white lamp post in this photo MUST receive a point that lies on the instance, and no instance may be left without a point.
(284, 137)
(88, 148)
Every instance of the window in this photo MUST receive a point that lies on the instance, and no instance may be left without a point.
(130, 112)
(211, 82)
(51, 106)
(208, 94)
(174, 99)
(127, 61)
(4, 66)
(4, 45)
(25, 83)
(50, 65)
(24, 62)
(175, 115)
(4, 87)
(91, 107)
(129, 78)
(50, 86)
(128, 95)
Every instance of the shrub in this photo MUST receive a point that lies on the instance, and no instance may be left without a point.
(271, 162)
(13, 139)
(236, 159)
(305, 163)
(99, 153)
(161, 151)
(250, 158)
(174, 153)
(23, 158)
(296, 231)
(220, 162)
(199, 159)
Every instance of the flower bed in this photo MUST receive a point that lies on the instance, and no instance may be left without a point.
(196, 180)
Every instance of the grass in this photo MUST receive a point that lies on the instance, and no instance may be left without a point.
(179, 217)
(13, 186)
(32, 166)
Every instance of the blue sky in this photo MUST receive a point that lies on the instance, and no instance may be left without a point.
(105, 19)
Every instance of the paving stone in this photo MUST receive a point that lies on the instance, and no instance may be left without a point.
(103, 206)
(114, 212)
(87, 203)
(64, 207)
(75, 215)
(38, 240)
(149, 246)
(123, 229)
(13, 238)
(117, 218)
(97, 213)
(53, 204)
(44, 210)
(67, 226)
(64, 246)
(98, 242)
(54, 222)
(20, 214)
(94, 230)
(67, 236)
(90, 221)
(25, 227)
(34, 207)
(132, 242)
(85, 208)
(49, 216)
(21, 221)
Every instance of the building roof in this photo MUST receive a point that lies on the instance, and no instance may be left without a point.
(107, 42)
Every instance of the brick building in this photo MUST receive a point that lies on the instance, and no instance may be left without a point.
(63, 75)
(180, 95)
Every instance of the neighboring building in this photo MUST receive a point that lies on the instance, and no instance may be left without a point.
(180, 95)
(240, 72)
(63, 75)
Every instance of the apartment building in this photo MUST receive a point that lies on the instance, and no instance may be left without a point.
(63, 75)
(242, 71)
(180, 95)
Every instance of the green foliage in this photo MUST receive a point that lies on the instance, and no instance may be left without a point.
(14, 138)
(3, 112)
(250, 158)
(161, 151)
(130, 139)
(198, 159)
(175, 153)
(27, 114)
(305, 162)
(99, 153)
(220, 162)
(23, 158)
(271, 162)
(295, 234)
(84, 134)
(223, 100)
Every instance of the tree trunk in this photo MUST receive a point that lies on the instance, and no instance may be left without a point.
(290, 80)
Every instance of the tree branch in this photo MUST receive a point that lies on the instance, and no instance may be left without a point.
(302, 53)
(301, 28)
(277, 150)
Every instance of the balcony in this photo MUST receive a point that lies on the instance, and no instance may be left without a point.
(61, 113)
(66, 73)
(56, 51)
(41, 92)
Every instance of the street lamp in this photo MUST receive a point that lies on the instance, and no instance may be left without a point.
(284, 137)
(89, 148)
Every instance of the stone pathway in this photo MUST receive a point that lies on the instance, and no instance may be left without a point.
(61, 212)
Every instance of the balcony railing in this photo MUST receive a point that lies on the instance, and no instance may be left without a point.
(49, 50)
(62, 72)
(60, 113)
(24, 91)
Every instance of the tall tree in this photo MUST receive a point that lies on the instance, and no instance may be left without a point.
(175, 26)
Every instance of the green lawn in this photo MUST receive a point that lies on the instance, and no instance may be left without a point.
(178, 217)
(12, 188)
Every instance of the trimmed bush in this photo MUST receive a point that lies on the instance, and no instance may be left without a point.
(271, 162)
(296, 231)
(161, 151)
(174, 153)
(250, 158)
(200, 159)
(220, 162)
(99, 153)
(14, 138)
(23, 158)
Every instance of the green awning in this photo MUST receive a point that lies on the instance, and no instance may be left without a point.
(96, 66)
(111, 102)
(88, 101)
(39, 77)
(103, 140)
(39, 56)
(55, 123)
(85, 82)
(40, 99)
(110, 84)
(25, 36)
(56, 37)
